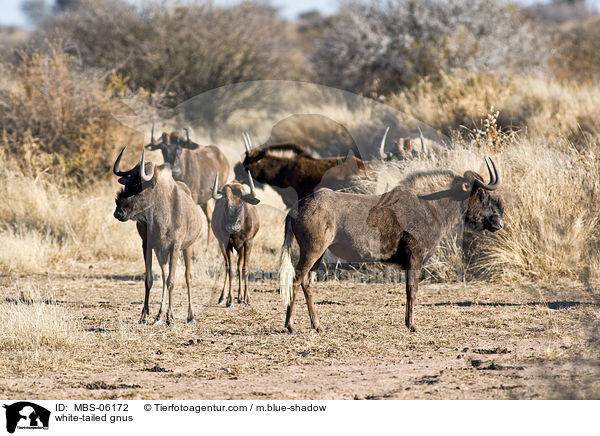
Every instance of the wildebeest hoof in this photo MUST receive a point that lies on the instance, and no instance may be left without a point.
(157, 321)
(221, 302)
(290, 329)
(320, 330)
(143, 321)
(229, 304)
(191, 321)
(412, 329)
(169, 322)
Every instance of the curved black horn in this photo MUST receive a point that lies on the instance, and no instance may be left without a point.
(187, 134)
(116, 170)
(143, 175)
(495, 178)
(152, 140)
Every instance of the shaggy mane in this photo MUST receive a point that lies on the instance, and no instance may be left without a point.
(289, 146)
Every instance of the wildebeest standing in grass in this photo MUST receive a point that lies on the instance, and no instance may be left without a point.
(168, 220)
(401, 227)
(294, 173)
(193, 164)
(235, 224)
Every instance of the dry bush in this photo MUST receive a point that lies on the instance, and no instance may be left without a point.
(380, 47)
(179, 51)
(543, 108)
(576, 57)
(55, 117)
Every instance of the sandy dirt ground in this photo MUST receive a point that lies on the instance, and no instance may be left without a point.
(475, 341)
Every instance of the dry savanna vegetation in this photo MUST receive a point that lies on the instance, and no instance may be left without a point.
(509, 315)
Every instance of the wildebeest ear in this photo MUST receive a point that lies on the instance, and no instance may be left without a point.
(123, 180)
(248, 198)
(153, 147)
(190, 145)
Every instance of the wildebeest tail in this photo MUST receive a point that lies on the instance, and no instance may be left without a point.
(286, 268)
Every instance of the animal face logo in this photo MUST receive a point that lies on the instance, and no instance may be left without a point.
(26, 415)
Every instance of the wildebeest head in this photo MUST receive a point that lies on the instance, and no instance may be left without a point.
(484, 212)
(136, 195)
(403, 148)
(171, 146)
(262, 161)
(234, 198)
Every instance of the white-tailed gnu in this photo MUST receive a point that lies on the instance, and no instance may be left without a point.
(402, 227)
(235, 224)
(193, 164)
(168, 221)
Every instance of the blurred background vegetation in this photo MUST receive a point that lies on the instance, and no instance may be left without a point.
(61, 81)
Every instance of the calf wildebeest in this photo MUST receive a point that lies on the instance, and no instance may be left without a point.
(235, 224)
(401, 227)
(168, 221)
(299, 173)
(193, 164)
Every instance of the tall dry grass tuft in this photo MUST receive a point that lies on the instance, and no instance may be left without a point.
(48, 223)
(36, 332)
(552, 215)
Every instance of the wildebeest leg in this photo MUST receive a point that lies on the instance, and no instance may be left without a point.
(313, 270)
(314, 318)
(208, 212)
(148, 279)
(173, 255)
(412, 284)
(226, 261)
(247, 251)
(303, 267)
(187, 257)
(289, 315)
(239, 266)
(162, 262)
(229, 252)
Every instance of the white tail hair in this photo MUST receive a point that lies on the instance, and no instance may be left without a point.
(286, 268)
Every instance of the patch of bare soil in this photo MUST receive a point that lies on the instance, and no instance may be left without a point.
(475, 341)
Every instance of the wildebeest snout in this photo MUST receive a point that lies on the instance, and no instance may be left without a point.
(494, 223)
(234, 220)
(120, 214)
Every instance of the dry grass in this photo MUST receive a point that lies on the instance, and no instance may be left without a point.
(36, 332)
(49, 224)
(545, 109)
